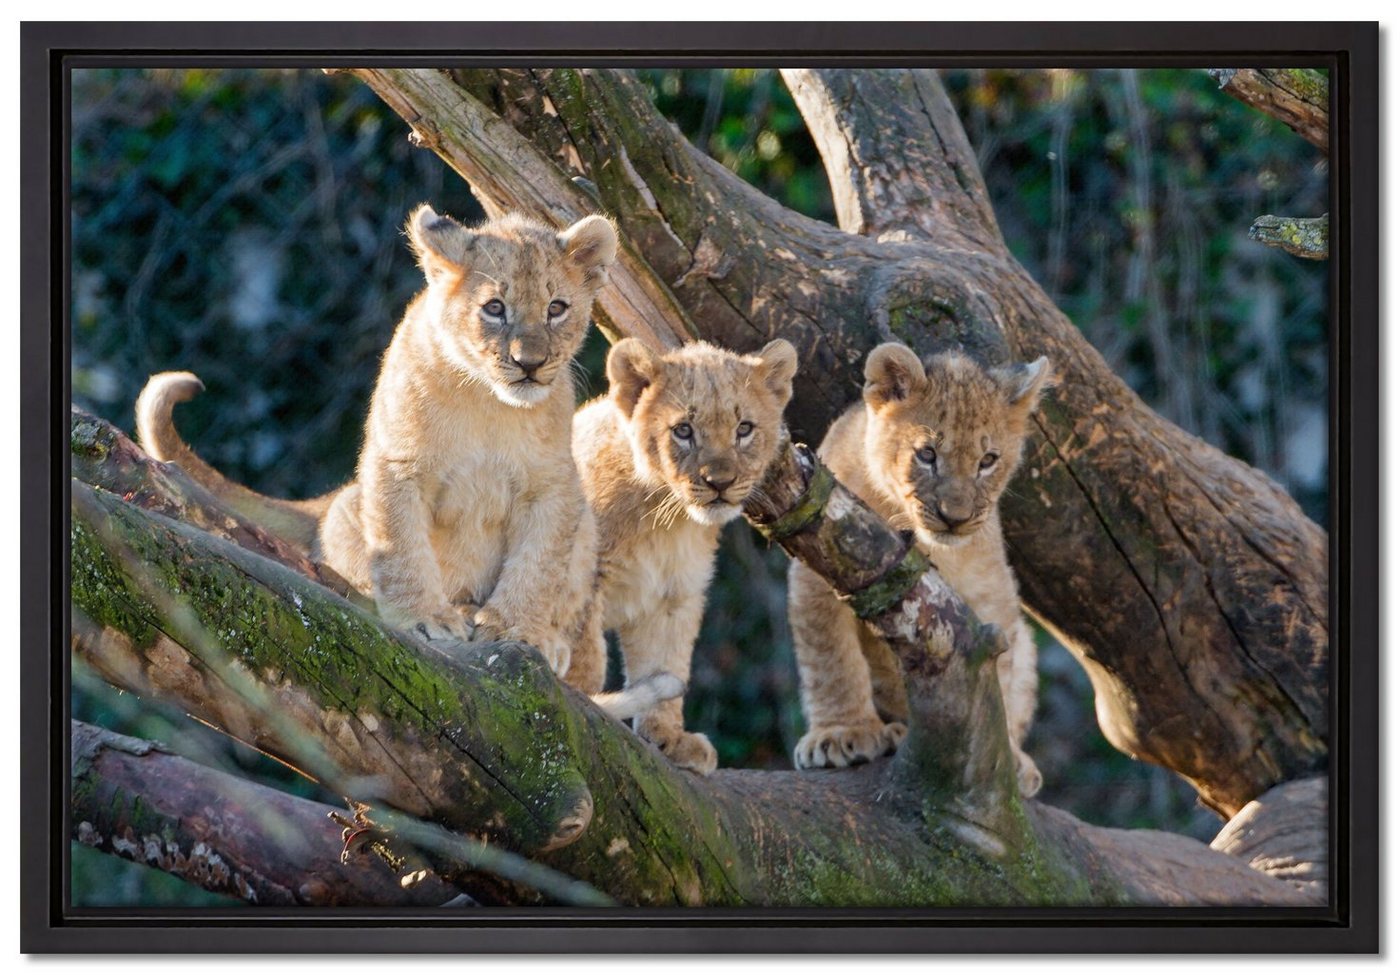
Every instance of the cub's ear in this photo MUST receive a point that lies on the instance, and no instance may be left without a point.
(632, 367)
(440, 243)
(590, 246)
(1025, 383)
(893, 373)
(777, 364)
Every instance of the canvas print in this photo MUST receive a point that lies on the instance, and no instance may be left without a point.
(708, 488)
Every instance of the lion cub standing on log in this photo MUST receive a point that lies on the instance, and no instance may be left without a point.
(466, 519)
(667, 457)
(930, 449)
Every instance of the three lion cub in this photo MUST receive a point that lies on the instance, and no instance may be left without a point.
(475, 514)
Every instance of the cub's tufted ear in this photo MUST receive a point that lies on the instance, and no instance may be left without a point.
(440, 243)
(1025, 383)
(590, 246)
(893, 373)
(776, 365)
(632, 367)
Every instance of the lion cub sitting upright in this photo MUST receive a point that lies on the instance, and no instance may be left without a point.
(465, 519)
(930, 449)
(667, 457)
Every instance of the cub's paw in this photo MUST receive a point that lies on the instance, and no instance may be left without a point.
(840, 745)
(489, 626)
(449, 626)
(1028, 777)
(686, 749)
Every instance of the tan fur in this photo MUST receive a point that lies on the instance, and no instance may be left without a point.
(661, 498)
(852, 692)
(466, 519)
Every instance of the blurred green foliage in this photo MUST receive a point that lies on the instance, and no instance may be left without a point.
(245, 224)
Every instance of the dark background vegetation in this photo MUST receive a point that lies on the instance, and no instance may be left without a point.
(246, 225)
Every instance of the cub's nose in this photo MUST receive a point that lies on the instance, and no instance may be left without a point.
(528, 363)
(952, 519)
(717, 482)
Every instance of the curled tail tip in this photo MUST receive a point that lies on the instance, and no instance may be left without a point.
(154, 423)
(175, 387)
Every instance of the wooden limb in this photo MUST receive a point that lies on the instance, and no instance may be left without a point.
(107, 458)
(957, 746)
(1163, 868)
(1297, 97)
(135, 800)
(257, 650)
(895, 154)
(1283, 833)
(492, 745)
(1299, 236)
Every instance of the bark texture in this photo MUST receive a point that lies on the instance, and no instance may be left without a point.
(136, 800)
(1299, 236)
(492, 746)
(1207, 641)
(1297, 97)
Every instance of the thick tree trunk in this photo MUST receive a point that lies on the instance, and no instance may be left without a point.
(1190, 586)
(492, 746)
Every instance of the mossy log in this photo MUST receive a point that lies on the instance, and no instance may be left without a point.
(490, 745)
(1190, 586)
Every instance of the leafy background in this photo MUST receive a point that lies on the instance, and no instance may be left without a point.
(245, 224)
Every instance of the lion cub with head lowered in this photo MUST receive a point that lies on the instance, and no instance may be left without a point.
(931, 449)
(667, 457)
(465, 519)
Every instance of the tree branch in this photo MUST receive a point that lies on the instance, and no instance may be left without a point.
(493, 746)
(1299, 236)
(134, 799)
(1297, 97)
(929, 187)
(957, 747)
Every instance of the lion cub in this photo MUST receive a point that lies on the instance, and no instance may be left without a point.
(667, 457)
(931, 449)
(465, 519)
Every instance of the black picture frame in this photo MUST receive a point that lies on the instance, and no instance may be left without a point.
(1349, 924)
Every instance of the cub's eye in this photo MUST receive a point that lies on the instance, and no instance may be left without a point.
(927, 455)
(496, 308)
(682, 432)
(557, 308)
(744, 429)
(989, 460)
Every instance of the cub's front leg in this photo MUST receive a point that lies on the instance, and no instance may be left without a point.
(843, 727)
(662, 641)
(405, 578)
(1019, 680)
(543, 586)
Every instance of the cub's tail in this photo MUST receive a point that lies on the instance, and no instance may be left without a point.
(296, 521)
(639, 698)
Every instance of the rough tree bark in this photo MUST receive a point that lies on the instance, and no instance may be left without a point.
(1207, 644)
(492, 746)
(1299, 236)
(135, 800)
(1297, 97)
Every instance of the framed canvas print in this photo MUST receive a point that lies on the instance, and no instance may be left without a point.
(837, 487)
